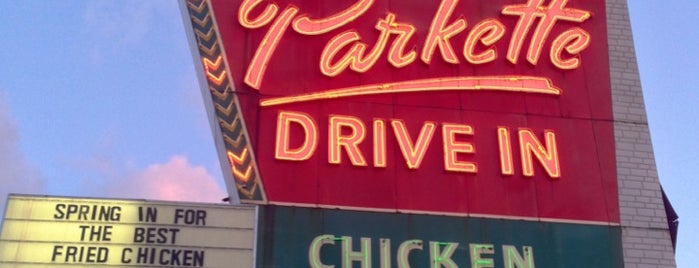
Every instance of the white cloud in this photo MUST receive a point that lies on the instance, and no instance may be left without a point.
(104, 174)
(176, 180)
(16, 173)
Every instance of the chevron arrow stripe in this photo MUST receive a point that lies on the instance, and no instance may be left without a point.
(201, 23)
(226, 111)
(210, 67)
(206, 37)
(236, 140)
(209, 51)
(218, 80)
(246, 190)
(235, 143)
(229, 126)
(223, 94)
(234, 159)
(196, 6)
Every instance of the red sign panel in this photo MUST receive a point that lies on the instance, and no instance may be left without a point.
(471, 107)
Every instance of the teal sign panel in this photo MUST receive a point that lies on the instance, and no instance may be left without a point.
(306, 237)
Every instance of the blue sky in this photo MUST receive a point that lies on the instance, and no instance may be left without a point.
(100, 94)
(666, 48)
(99, 98)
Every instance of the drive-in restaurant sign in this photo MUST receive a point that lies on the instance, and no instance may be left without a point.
(498, 108)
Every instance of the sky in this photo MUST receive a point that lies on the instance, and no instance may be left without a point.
(100, 98)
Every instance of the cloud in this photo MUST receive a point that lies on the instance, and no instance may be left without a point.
(17, 175)
(176, 180)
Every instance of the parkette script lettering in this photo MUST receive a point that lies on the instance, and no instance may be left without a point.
(348, 50)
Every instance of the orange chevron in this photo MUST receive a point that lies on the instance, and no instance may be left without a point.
(208, 51)
(236, 158)
(218, 80)
(245, 177)
(233, 158)
(247, 180)
(205, 36)
(203, 22)
(236, 142)
(227, 111)
(199, 8)
(221, 95)
(229, 126)
(210, 66)
(249, 193)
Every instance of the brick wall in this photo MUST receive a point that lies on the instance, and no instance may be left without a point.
(645, 235)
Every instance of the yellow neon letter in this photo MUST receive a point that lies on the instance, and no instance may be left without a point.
(264, 52)
(350, 142)
(453, 147)
(355, 58)
(308, 26)
(504, 144)
(247, 6)
(548, 156)
(440, 33)
(527, 13)
(554, 12)
(488, 32)
(379, 143)
(413, 152)
(573, 41)
(396, 55)
(305, 151)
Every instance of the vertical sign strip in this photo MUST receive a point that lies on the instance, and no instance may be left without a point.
(236, 139)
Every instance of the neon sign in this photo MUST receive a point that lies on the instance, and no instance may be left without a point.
(501, 106)
(496, 83)
(441, 253)
(346, 133)
(347, 49)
